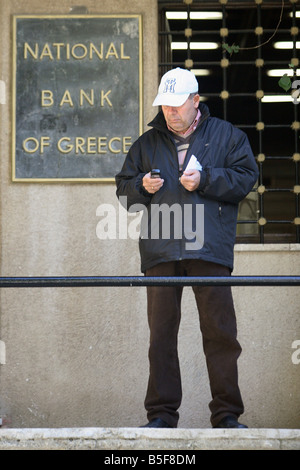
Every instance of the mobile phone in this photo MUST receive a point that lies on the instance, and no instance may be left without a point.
(155, 173)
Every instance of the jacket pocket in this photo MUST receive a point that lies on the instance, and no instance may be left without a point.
(227, 214)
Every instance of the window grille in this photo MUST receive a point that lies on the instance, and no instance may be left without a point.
(239, 87)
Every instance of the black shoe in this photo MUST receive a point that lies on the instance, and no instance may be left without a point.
(157, 423)
(229, 422)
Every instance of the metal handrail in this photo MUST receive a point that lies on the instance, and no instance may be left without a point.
(132, 281)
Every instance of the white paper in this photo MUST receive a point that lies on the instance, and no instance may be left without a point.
(193, 164)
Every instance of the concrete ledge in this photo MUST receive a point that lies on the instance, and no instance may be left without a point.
(267, 247)
(149, 439)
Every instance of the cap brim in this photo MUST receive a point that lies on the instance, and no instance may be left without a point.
(167, 99)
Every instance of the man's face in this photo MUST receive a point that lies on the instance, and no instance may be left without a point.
(181, 117)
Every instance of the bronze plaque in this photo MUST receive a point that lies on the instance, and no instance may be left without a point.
(77, 96)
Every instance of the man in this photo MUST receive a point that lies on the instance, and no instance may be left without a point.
(206, 168)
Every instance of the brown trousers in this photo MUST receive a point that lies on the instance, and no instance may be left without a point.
(218, 328)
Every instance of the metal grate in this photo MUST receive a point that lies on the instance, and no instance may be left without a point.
(237, 87)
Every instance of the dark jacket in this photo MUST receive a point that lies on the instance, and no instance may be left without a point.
(229, 172)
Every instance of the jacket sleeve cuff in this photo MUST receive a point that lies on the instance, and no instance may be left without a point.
(140, 187)
(203, 180)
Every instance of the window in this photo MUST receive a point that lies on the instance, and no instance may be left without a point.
(242, 87)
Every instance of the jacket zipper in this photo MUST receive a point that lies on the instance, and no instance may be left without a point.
(180, 200)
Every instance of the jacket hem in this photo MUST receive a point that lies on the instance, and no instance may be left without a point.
(211, 259)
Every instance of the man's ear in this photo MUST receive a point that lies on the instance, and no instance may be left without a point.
(196, 100)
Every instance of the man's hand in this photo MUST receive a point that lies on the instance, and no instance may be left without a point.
(190, 179)
(152, 185)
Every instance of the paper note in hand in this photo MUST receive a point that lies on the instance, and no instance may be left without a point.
(193, 164)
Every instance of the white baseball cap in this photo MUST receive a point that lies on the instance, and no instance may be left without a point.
(175, 87)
